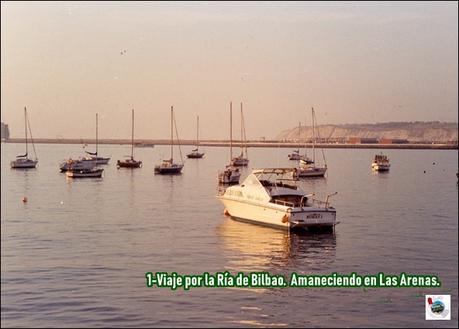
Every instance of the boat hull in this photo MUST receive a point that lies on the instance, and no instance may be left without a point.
(195, 155)
(174, 170)
(279, 216)
(100, 160)
(24, 164)
(96, 173)
(380, 167)
(129, 164)
(77, 165)
(311, 172)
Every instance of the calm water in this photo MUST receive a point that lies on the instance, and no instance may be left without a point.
(76, 253)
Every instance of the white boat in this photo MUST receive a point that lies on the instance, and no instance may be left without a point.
(271, 197)
(168, 167)
(242, 159)
(380, 163)
(130, 162)
(231, 174)
(195, 154)
(23, 161)
(94, 155)
(306, 168)
(295, 155)
(85, 173)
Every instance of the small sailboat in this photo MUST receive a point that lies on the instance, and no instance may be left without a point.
(94, 155)
(130, 162)
(195, 154)
(231, 174)
(380, 163)
(310, 169)
(242, 159)
(76, 164)
(168, 167)
(23, 161)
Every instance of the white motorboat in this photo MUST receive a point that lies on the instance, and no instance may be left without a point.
(94, 155)
(242, 160)
(23, 161)
(380, 163)
(231, 174)
(168, 167)
(271, 197)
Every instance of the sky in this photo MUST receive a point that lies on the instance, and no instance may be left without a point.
(354, 62)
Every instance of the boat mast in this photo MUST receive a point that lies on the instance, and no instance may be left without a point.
(313, 139)
(231, 131)
(172, 134)
(197, 134)
(97, 134)
(299, 136)
(25, 126)
(132, 137)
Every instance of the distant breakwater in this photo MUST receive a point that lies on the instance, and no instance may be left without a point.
(226, 143)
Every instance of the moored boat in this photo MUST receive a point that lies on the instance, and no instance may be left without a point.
(94, 155)
(380, 163)
(231, 174)
(77, 164)
(130, 162)
(271, 197)
(195, 154)
(168, 167)
(23, 161)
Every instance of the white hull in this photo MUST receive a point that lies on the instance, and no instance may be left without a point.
(380, 167)
(277, 215)
(311, 172)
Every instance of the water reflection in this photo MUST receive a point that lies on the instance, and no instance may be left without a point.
(249, 247)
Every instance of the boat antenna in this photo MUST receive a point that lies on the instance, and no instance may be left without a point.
(31, 138)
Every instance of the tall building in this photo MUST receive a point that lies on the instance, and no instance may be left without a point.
(5, 131)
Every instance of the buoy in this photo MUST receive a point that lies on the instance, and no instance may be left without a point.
(424, 171)
(62, 202)
(24, 199)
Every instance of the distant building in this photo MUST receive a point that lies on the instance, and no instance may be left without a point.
(5, 131)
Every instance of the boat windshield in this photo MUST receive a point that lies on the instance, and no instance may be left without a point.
(278, 177)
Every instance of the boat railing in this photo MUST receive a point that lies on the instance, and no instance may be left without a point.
(325, 204)
(284, 203)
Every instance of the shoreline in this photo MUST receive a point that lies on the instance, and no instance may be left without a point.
(226, 143)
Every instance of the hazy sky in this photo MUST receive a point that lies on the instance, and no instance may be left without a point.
(354, 62)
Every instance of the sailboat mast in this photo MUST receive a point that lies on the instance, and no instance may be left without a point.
(313, 138)
(172, 134)
(132, 136)
(25, 126)
(231, 131)
(97, 134)
(197, 134)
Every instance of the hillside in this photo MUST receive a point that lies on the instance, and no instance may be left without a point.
(412, 131)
